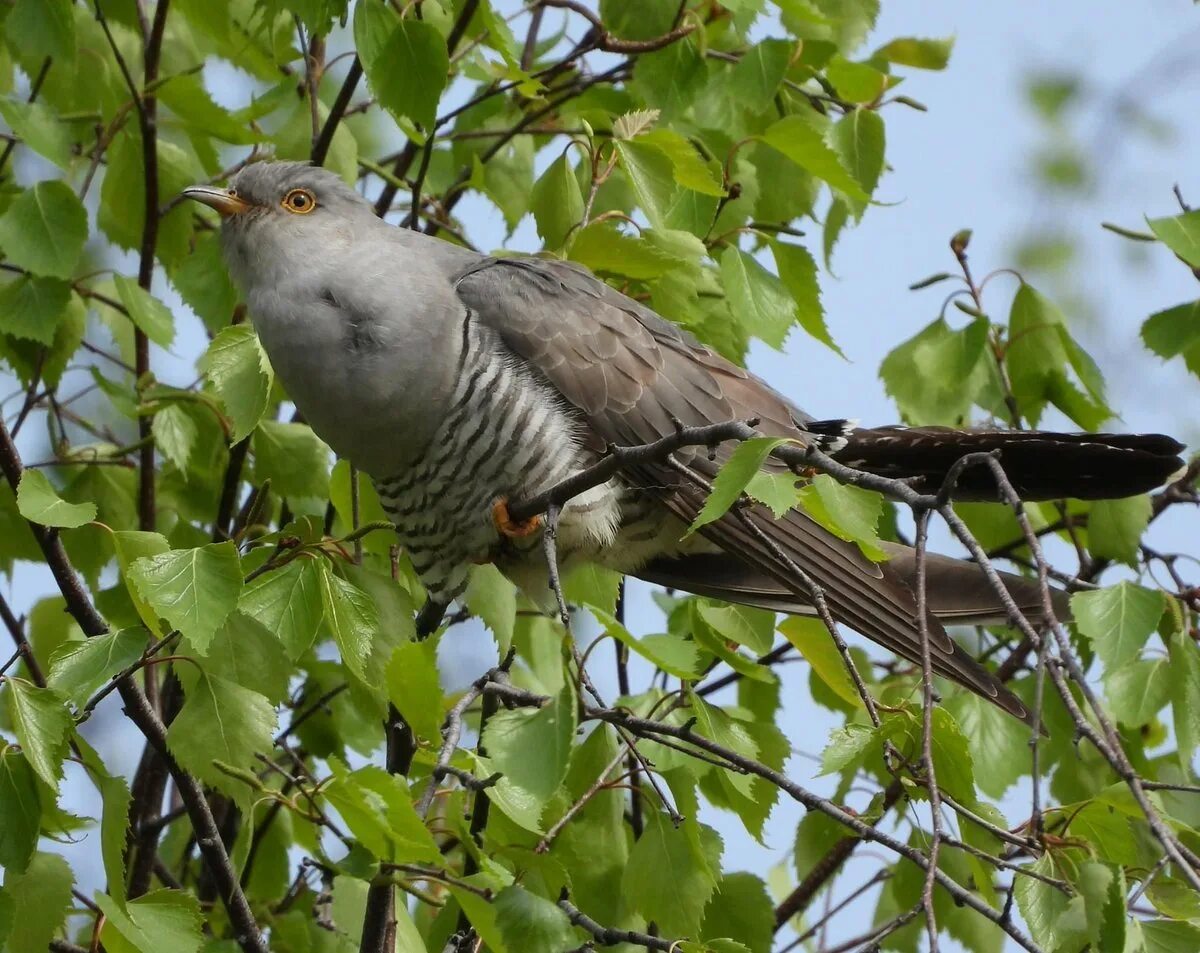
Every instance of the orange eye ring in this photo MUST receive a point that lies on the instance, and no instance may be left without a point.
(299, 201)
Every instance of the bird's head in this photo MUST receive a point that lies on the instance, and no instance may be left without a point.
(281, 211)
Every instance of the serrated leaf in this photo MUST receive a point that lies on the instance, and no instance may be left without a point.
(493, 598)
(193, 589)
(812, 640)
(41, 722)
(405, 61)
(1181, 234)
(130, 545)
(21, 808)
(533, 924)
(248, 654)
(673, 654)
(634, 123)
(918, 52)
(528, 783)
(1115, 528)
(156, 921)
(849, 512)
(1138, 691)
(860, 140)
(688, 166)
(1170, 936)
(238, 370)
(753, 628)
(670, 875)
(41, 28)
(149, 314)
(39, 502)
(43, 230)
(1185, 693)
(1117, 620)
(1044, 907)
(801, 138)
(32, 308)
(798, 272)
(39, 129)
(378, 809)
(80, 668)
(1175, 332)
(221, 721)
(556, 202)
(999, 744)
(735, 473)
(175, 434)
(353, 620)
(288, 602)
(415, 689)
(293, 458)
(934, 376)
(40, 896)
(757, 298)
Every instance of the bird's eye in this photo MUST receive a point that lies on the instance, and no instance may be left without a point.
(300, 201)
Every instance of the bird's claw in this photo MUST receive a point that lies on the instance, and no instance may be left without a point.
(506, 525)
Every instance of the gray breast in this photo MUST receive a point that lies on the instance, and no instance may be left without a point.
(503, 435)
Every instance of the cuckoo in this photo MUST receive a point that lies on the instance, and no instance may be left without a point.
(460, 381)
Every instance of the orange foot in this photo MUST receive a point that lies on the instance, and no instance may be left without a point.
(507, 527)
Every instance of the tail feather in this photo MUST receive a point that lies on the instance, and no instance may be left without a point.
(1041, 465)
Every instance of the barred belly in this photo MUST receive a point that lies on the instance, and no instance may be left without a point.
(504, 436)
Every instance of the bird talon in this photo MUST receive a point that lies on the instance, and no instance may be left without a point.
(506, 525)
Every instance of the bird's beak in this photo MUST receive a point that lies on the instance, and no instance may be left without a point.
(225, 202)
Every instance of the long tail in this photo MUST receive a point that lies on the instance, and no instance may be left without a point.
(1041, 465)
(958, 593)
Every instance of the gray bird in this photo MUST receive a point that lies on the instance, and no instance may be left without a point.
(459, 381)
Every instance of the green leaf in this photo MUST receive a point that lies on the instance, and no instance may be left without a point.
(293, 458)
(288, 602)
(533, 924)
(130, 545)
(1115, 528)
(238, 370)
(528, 783)
(556, 202)
(1181, 234)
(221, 721)
(735, 473)
(114, 823)
(859, 139)
(41, 722)
(1107, 831)
(674, 654)
(1117, 620)
(175, 434)
(934, 376)
(40, 129)
(798, 272)
(592, 585)
(149, 314)
(203, 282)
(21, 809)
(193, 589)
(778, 491)
(493, 598)
(353, 620)
(378, 809)
(652, 176)
(670, 877)
(415, 689)
(1185, 692)
(1137, 692)
(917, 52)
(41, 28)
(741, 909)
(801, 138)
(80, 668)
(688, 167)
(812, 640)
(406, 63)
(849, 512)
(1170, 936)
(753, 628)
(602, 248)
(856, 82)
(1044, 907)
(38, 502)
(32, 308)
(755, 78)
(850, 745)
(40, 896)
(157, 921)
(1175, 332)
(999, 744)
(43, 230)
(249, 654)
